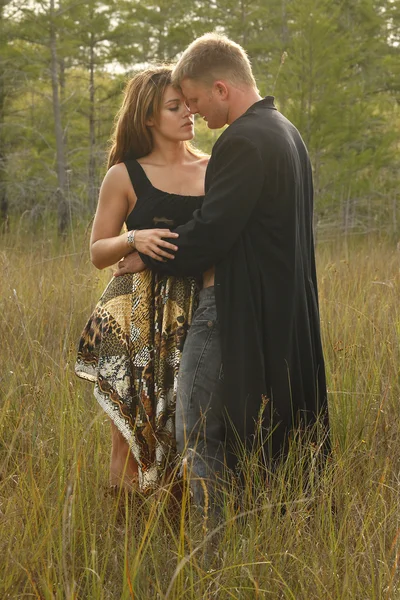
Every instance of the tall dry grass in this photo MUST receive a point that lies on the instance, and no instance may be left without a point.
(63, 536)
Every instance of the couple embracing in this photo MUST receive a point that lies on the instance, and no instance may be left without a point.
(211, 322)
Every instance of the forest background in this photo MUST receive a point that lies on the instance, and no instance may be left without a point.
(333, 66)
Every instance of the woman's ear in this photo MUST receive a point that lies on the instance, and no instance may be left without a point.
(149, 122)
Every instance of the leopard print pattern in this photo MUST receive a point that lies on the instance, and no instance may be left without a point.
(130, 349)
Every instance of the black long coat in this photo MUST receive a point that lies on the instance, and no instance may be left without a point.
(256, 227)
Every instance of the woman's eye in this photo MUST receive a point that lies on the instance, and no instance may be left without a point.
(174, 109)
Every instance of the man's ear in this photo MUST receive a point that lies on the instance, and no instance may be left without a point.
(220, 89)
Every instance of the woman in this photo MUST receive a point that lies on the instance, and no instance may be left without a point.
(132, 343)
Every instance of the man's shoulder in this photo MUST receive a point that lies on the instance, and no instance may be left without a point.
(252, 128)
(233, 142)
(268, 130)
(242, 130)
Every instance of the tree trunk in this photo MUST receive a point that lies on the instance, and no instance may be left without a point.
(60, 153)
(285, 43)
(3, 170)
(92, 188)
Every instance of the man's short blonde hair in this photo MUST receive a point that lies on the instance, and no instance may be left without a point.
(212, 57)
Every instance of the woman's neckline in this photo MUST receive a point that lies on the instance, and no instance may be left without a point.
(163, 191)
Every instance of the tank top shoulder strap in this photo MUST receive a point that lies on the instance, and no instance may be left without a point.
(140, 182)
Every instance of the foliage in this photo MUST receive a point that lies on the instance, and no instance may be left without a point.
(333, 67)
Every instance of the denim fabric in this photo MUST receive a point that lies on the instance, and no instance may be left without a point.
(200, 426)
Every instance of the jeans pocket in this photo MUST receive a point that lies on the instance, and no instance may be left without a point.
(205, 313)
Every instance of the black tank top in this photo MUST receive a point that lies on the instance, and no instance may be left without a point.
(155, 208)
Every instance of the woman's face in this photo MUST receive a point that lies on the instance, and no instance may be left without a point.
(175, 121)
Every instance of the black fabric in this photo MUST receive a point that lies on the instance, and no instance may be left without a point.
(255, 226)
(154, 207)
(138, 177)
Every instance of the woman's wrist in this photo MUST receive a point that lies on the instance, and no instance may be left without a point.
(130, 238)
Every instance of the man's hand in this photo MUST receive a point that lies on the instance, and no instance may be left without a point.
(132, 263)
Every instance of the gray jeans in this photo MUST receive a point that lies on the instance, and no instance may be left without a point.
(200, 426)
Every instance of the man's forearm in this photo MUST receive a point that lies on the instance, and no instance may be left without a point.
(181, 266)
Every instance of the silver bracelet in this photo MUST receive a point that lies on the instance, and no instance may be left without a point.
(131, 238)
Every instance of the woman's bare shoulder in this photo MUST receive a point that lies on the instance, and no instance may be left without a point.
(116, 171)
(117, 175)
(117, 181)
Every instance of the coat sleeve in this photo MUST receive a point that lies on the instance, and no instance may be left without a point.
(237, 181)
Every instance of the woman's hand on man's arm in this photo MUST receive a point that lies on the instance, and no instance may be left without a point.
(152, 243)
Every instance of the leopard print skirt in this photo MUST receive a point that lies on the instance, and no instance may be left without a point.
(131, 349)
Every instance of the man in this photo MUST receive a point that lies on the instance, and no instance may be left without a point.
(254, 345)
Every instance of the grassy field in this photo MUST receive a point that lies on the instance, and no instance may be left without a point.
(63, 536)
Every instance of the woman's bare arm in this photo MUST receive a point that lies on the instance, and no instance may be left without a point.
(107, 244)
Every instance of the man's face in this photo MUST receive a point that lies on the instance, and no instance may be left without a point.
(207, 101)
